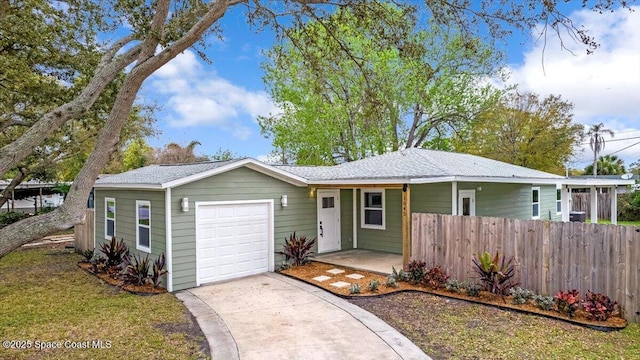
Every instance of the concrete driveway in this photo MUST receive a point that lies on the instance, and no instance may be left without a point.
(271, 316)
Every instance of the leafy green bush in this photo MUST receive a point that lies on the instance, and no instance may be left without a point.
(629, 206)
(355, 289)
(599, 306)
(391, 281)
(495, 273)
(454, 286)
(298, 249)
(400, 275)
(434, 278)
(520, 295)
(373, 285)
(567, 302)
(473, 290)
(543, 302)
(7, 218)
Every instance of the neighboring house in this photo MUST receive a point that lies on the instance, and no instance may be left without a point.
(221, 220)
(30, 196)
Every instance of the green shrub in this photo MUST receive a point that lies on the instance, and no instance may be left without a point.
(373, 285)
(7, 218)
(520, 295)
(88, 254)
(297, 249)
(473, 290)
(543, 302)
(400, 275)
(391, 281)
(454, 286)
(355, 289)
(629, 206)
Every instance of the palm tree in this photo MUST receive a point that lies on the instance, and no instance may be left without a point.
(596, 142)
(608, 165)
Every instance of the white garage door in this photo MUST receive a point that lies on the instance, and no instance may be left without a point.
(232, 240)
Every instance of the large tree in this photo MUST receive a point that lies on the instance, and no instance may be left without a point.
(596, 142)
(374, 96)
(155, 32)
(525, 130)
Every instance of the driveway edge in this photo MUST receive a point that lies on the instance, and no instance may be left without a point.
(222, 345)
(406, 349)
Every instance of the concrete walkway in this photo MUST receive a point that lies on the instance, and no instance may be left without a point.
(270, 316)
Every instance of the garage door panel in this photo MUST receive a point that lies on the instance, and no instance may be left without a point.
(233, 240)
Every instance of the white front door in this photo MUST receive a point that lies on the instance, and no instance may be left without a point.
(328, 220)
(467, 202)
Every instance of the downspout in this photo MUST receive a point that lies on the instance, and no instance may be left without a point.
(168, 246)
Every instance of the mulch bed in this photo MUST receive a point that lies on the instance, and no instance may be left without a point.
(147, 289)
(314, 269)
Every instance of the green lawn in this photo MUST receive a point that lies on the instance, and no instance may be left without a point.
(627, 223)
(46, 298)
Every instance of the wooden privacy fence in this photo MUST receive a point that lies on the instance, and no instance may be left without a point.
(582, 202)
(549, 256)
(83, 233)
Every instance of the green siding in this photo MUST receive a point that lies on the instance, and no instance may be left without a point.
(238, 184)
(548, 203)
(390, 239)
(431, 198)
(346, 219)
(501, 200)
(126, 218)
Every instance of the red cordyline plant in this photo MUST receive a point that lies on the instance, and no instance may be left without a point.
(598, 306)
(297, 249)
(567, 302)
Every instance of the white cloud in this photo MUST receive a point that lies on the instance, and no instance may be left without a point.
(604, 86)
(197, 96)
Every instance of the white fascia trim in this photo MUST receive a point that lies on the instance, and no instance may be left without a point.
(249, 163)
(129, 186)
(484, 179)
(596, 182)
(351, 182)
(168, 250)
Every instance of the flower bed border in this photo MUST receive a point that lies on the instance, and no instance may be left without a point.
(120, 284)
(507, 307)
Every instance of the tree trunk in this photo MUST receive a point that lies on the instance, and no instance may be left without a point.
(72, 211)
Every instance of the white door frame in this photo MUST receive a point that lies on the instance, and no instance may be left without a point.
(471, 194)
(322, 228)
(270, 245)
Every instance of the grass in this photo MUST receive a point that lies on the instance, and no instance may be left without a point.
(453, 329)
(627, 223)
(46, 297)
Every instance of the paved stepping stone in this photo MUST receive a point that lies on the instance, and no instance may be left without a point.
(322, 278)
(335, 271)
(355, 276)
(340, 284)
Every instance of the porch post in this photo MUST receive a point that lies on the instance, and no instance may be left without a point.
(565, 200)
(454, 198)
(354, 213)
(406, 224)
(594, 204)
(614, 204)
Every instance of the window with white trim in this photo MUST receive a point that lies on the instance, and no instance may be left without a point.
(143, 225)
(372, 205)
(535, 202)
(558, 200)
(109, 218)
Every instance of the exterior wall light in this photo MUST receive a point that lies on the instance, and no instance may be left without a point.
(185, 204)
(284, 201)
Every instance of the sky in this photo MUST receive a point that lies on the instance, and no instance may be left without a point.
(217, 104)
